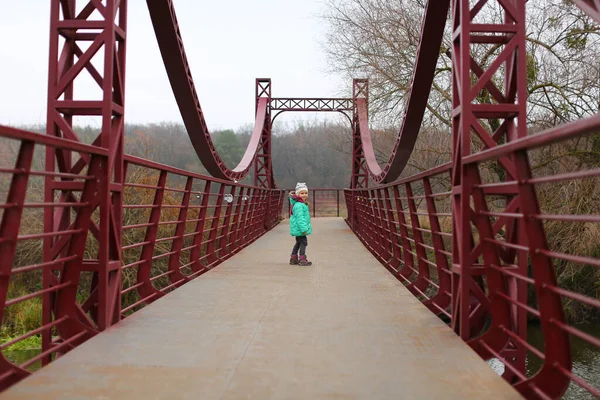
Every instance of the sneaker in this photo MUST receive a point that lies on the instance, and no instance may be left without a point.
(302, 261)
(294, 259)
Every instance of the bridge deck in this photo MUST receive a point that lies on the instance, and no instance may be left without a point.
(255, 327)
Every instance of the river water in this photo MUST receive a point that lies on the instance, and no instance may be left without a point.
(586, 360)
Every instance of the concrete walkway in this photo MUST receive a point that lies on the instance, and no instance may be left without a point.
(258, 328)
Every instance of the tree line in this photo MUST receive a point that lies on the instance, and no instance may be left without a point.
(314, 152)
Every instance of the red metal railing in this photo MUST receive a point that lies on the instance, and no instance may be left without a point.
(408, 224)
(323, 203)
(176, 225)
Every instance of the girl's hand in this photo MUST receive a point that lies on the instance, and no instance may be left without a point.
(303, 233)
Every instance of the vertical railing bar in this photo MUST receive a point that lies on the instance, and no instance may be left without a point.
(177, 244)
(211, 257)
(233, 236)
(144, 270)
(424, 274)
(407, 270)
(441, 299)
(225, 229)
(199, 238)
(248, 215)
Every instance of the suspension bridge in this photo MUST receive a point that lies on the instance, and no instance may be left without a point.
(159, 282)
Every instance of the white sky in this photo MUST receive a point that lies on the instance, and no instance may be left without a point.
(228, 43)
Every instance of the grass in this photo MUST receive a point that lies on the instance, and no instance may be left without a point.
(31, 343)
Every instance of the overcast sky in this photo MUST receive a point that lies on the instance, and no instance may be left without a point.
(228, 44)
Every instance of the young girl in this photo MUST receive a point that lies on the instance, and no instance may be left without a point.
(299, 224)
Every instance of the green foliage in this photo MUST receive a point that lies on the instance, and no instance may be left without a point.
(26, 315)
(577, 38)
(532, 70)
(31, 343)
(228, 145)
(22, 317)
(29, 315)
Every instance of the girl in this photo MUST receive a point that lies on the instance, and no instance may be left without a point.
(299, 224)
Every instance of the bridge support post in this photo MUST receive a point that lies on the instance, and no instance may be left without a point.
(492, 123)
(84, 41)
(360, 172)
(489, 108)
(263, 167)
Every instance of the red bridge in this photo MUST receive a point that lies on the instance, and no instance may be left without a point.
(469, 261)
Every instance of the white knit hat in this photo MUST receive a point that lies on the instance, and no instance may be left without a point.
(301, 186)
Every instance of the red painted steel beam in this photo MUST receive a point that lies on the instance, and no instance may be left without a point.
(360, 171)
(432, 32)
(590, 7)
(468, 302)
(365, 138)
(342, 105)
(9, 231)
(263, 166)
(312, 104)
(105, 25)
(172, 50)
(475, 234)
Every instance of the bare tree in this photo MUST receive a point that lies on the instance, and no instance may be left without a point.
(378, 39)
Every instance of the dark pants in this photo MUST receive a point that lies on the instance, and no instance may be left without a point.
(300, 246)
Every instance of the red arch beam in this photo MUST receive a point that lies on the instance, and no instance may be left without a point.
(168, 35)
(432, 32)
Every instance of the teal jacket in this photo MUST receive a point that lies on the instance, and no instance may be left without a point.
(300, 218)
